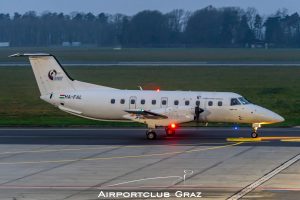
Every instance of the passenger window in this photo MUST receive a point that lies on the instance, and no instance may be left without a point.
(143, 101)
(187, 103)
(220, 103)
(112, 101)
(132, 101)
(210, 103)
(197, 103)
(153, 102)
(234, 102)
(176, 102)
(164, 102)
(122, 101)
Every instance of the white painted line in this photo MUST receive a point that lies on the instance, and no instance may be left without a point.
(145, 179)
(263, 179)
(179, 178)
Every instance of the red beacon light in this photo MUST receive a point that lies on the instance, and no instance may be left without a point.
(170, 130)
(157, 90)
(173, 126)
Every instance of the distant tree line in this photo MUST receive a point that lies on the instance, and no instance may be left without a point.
(207, 27)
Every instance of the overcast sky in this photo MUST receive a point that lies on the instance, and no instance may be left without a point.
(130, 7)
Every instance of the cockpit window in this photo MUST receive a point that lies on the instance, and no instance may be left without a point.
(235, 101)
(244, 101)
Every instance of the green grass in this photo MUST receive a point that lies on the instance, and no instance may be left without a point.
(276, 88)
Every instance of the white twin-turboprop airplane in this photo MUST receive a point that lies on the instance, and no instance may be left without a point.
(153, 108)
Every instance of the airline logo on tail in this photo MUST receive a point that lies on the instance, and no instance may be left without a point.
(54, 75)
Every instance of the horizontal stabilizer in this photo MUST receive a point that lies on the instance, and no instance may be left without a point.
(29, 54)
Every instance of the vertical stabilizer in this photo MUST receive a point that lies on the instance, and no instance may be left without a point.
(49, 74)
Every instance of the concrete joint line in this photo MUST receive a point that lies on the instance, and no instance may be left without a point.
(264, 178)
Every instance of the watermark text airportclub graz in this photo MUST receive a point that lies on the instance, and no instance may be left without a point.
(146, 194)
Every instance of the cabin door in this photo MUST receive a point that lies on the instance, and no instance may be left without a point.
(132, 102)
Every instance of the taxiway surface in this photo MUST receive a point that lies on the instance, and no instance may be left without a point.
(79, 163)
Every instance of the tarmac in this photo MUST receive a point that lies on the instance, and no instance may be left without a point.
(221, 163)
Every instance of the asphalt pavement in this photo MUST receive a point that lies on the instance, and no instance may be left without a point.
(221, 163)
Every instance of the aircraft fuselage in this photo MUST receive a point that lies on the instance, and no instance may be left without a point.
(111, 105)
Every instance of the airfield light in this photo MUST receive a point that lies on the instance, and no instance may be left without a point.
(157, 90)
(236, 127)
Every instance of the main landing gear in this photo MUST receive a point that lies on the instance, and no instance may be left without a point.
(170, 131)
(151, 135)
(254, 133)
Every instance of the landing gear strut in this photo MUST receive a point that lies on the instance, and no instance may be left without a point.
(151, 135)
(254, 133)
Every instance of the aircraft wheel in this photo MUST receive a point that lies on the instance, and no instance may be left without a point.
(254, 134)
(170, 132)
(151, 135)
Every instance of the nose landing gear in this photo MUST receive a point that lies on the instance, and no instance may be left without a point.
(254, 133)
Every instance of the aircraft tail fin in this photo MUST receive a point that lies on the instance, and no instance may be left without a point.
(48, 72)
(51, 76)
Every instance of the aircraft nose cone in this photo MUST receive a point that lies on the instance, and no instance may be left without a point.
(274, 117)
(277, 118)
(268, 116)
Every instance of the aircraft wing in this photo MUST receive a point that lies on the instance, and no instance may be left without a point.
(162, 116)
(145, 114)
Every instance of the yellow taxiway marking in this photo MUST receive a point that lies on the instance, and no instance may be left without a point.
(259, 139)
(243, 139)
(279, 138)
(56, 150)
(121, 157)
(291, 140)
(97, 148)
